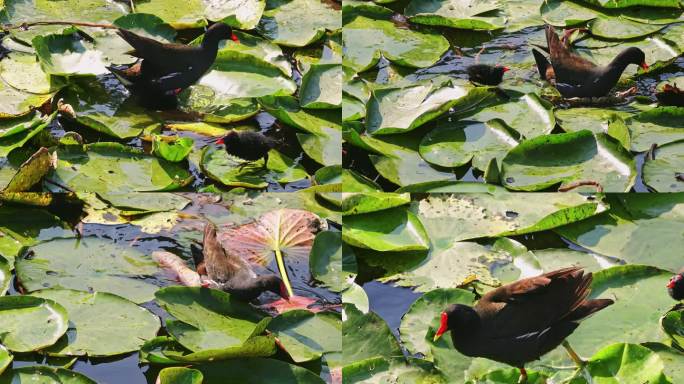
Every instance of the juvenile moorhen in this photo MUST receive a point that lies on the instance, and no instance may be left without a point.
(575, 76)
(169, 68)
(519, 322)
(231, 273)
(486, 74)
(676, 286)
(248, 145)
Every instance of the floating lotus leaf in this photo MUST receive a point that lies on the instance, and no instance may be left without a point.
(329, 175)
(357, 296)
(355, 182)
(44, 375)
(305, 335)
(232, 171)
(68, 54)
(453, 144)
(659, 126)
(633, 228)
(31, 323)
(180, 375)
(256, 370)
(395, 229)
(322, 87)
(18, 135)
(372, 201)
(324, 148)
(560, 13)
(331, 262)
(530, 115)
(101, 324)
(179, 14)
(632, 3)
(101, 266)
(27, 174)
(566, 158)
(462, 14)
(287, 109)
(22, 72)
(209, 319)
(365, 336)
(626, 362)
(174, 151)
(383, 370)
(619, 28)
(666, 172)
(454, 217)
(257, 47)
(238, 13)
(288, 232)
(115, 168)
(673, 325)
(366, 40)
(16, 103)
(297, 23)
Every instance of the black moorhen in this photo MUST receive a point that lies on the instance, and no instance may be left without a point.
(676, 286)
(248, 145)
(231, 273)
(168, 68)
(575, 76)
(671, 95)
(486, 74)
(519, 322)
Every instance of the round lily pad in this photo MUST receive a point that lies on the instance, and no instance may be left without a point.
(180, 375)
(322, 87)
(365, 336)
(101, 324)
(88, 264)
(297, 23)
(395, 229)
(462, 14)
(666, 172)
(529, 115)
(68, 54)
(305, 335)
(44, 375)
(366, 202)
(238, 13)
(626, 362)
(22, 72)
(256, 370)
(31, 323)
(567, 158)
(329, 263)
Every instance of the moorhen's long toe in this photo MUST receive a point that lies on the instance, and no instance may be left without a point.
(169, 68)
(231, 273)
(575, 76)
(675, 287)
(519, 322)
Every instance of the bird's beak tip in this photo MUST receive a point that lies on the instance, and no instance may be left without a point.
(219, 141)
(644, 66)
(234, 38)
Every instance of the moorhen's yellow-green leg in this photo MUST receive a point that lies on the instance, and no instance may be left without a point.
(573, 355)
(523, 376)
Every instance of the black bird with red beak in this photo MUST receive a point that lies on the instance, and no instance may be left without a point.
(248, 145)
(676, 286)
(223, 270)
(167, 69)
(486, 74)
(519, 322)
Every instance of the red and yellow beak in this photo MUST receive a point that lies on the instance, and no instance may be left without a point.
(220, 141)
(234, 38)
(506, 69)
(644, 66)
(673, 281)
(443, 327)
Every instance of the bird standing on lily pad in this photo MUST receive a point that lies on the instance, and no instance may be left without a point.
(486, 74)
(575, 76)
(167, 69)
(248, 145)
(519, 322)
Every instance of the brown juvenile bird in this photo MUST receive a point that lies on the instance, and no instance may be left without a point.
(169, 68)
(575, 76)
(519, 322)
(486, 74)
(248, 145)
(231, 273)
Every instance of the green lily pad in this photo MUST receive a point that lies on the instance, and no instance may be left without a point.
(23, 73)
(287, 110)
(329, 175)
(329, 261)
(352, 108)
(552, 259)
(565, 158)
(68, 54)
(29, 173)
(366, 40)
(633, 228)
(209, 319)
(356, 182)
(103, 266)
(180, 375)
(324, 147)
(175, 151)
(108, 108)
(44, 375)
(455, 217)
(454, 144)
(101, 324)
(259, 48)
(115, 168)
(322, 87)
(382, 370)
(625, 362)
(365, 336)
(222, 167)
(561, 13)
(672, 358)
(305, 335)
(395, 229)
(237, 13)
(666, 172)
(256, 371)
(461, 14)
(23, 133)
(521, 14)
(620, 28)
(16, 103)
(593, 119)
(529, 115)
(5, 358)
(425, 312)
(366, 202)
(632, 3)
(297, 23)
(31, 323)
(659, 126)
(179, 14)
(673, 325)
(634, 316)
(357, 296)
(5, 277)
(257, 346)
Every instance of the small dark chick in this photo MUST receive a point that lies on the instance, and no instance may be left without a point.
(248, 145)
(676, 286)
(486, 74)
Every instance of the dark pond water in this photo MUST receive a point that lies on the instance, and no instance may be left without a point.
(127, 368)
